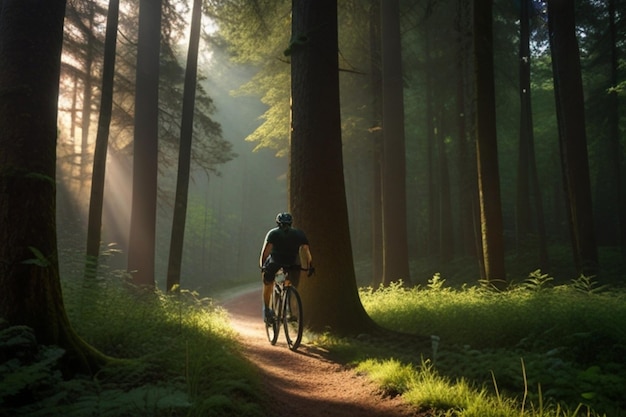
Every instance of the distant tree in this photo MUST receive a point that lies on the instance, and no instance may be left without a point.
(29, 271)
(568, 90)
(142, 238)
(83, 42)
(604, 106)
(395, 240)
(94, 226)
(316, 188)
(466, 162)
(617, 160)
(184, 158)
(88, 89)
(446, 239)
(257, 36)
(487, 147)
(432, 235)
(529, 199)
(377, 139)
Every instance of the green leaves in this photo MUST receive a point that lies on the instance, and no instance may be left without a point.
(40, 259)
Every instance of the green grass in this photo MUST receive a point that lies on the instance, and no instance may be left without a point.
(181, 359)
(534, 350)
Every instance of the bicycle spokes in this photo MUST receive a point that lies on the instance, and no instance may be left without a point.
(292, 318)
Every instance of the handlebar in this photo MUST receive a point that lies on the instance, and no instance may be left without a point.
(310, 270)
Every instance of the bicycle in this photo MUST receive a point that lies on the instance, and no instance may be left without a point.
(287, 307)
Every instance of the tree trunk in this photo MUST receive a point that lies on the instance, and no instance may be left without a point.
(446, 239)
(316, 189)
(31, 36)
(184, 156)
(487, 147)
(528, 191)
(466, 159)
(432, 241)
(568, 90)
(614, 135)
(142, 237)
(523, 220)
(611, 217)
(94, 228)
(395, 240)
(377, 113)
(85, 117)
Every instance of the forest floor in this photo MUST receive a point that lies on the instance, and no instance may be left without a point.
(305, 383)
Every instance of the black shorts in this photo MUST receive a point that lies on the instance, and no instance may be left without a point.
(270, 269)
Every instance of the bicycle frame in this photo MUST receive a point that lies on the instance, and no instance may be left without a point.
(287, 306)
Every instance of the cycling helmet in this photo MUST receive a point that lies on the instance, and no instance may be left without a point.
(284, 218)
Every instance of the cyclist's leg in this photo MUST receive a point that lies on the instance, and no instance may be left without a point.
(268, 274)
(294, 274)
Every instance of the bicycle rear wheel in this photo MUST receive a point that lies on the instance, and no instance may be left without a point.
(272, 328)
(292, 318)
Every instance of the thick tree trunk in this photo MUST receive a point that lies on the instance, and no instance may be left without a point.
(142, 238)
(568, 91)
(395, 239)
(316, 189)
(31, 35)
(184, 156)
(487, 147)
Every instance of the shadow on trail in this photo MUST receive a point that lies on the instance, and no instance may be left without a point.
(305, 383)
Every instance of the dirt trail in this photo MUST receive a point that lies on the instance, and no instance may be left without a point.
(305, 383)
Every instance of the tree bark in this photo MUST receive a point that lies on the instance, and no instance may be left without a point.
(31, 36)
(395, 240)
(617, 160)
(184, 156)
(141, 247)
(377, 139)
(446, 239)
(88, 83)
(529, 199)
(468, 217)
(96, 201)
(610, 193)
(487, 147)
(568, 90)
(316, 188)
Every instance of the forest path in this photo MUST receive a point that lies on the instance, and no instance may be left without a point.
(305, 383)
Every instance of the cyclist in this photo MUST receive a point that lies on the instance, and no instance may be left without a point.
(284, 247)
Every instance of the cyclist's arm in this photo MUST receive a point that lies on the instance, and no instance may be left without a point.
(305, 256)
(265, 252)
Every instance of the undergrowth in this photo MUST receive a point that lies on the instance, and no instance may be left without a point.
(180, 358)
(570, 339)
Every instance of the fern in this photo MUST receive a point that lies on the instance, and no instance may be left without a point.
(537, 282)
(587, 285)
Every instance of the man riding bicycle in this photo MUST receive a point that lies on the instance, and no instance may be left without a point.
(284, 247)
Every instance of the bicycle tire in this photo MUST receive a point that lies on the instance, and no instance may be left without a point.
(292, 318)
(273, 328)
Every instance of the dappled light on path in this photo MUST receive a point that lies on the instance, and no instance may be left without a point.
(305, 383)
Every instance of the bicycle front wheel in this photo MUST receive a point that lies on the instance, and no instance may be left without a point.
(292, 318)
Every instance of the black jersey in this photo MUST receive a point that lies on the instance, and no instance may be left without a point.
(286, 245)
